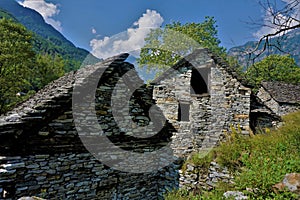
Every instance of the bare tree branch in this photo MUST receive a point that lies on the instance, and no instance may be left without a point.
(280, 20)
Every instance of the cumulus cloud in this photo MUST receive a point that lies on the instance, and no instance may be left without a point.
(268, 25)
(130, 40)
(47, 10)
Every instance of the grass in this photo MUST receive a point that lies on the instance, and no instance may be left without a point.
(259, 161)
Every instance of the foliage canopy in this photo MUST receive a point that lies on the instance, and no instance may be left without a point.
(16, 60)
(165, 47)
(274, 68)
(22, 71)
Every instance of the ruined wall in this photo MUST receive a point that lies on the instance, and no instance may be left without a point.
(197, 178)
(169, 94)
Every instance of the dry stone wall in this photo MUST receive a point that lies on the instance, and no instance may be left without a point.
(197, 178)
(78, 176)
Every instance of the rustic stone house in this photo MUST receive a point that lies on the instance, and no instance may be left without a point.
(272, 101)
(202, 97)
(44, 152)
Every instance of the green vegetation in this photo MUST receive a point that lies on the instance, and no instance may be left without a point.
(16, 60)
(259, 161)
(21, 69)
(7, 15)
(274, 68)
(45, 39)
(47, 68)
(32, 54)
(165, 47)
(73, 57)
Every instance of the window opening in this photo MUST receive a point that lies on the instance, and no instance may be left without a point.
(199, 81)
(184, 112)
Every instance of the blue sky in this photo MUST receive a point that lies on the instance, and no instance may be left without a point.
(91, 24)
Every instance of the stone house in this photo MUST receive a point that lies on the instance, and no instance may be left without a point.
(272, 101)
(203, 98)
(189, 108)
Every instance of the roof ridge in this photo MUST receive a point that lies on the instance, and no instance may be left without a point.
(59, 88)
(218, 59)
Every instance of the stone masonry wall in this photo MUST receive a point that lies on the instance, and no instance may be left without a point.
(231, 100)
(195, 178)
(78, 176)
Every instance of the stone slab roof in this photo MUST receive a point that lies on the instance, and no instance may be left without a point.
(283, 92)
(54, 97)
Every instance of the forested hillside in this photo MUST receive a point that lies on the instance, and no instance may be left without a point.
(45, 38)
(33, 54)
(22, 70)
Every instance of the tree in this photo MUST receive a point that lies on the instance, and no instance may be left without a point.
(165, 47)
(47, 68)
(274, 68)
(16, 61)
(279, 19)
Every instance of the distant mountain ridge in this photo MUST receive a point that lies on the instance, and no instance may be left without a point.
(290, 43)
(46, 38)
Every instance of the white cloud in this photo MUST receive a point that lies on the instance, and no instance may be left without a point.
(269, 27)
(94, 31)
(47, 10)
(130, 40)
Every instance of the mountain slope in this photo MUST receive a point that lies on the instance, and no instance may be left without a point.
(46, 38)
(290, 43)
